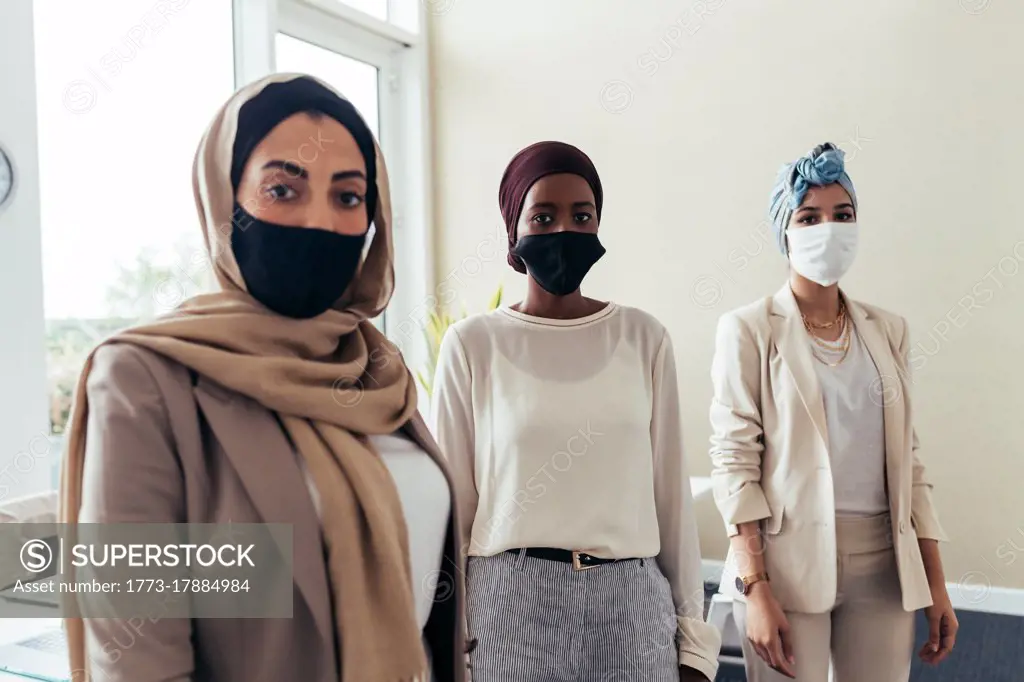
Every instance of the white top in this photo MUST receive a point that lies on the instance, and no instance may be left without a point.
(566, 434)
(426, 503)
(856, 430)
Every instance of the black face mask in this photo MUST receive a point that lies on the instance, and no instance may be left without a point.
(295, 271)
(559, 260)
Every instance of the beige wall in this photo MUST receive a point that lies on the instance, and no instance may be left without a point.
(927, 98)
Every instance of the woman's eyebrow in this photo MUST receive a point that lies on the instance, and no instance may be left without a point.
(342, 175)
(288, 167)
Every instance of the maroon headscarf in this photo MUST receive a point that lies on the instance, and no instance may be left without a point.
(529, 166)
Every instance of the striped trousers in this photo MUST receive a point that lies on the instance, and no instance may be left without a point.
(537, 620)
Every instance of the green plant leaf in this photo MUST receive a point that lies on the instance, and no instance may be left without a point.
(423, 381)
(437, 324)
(496, 298)
(434, 322)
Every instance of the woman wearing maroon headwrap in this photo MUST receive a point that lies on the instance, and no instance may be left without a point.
(559, 416)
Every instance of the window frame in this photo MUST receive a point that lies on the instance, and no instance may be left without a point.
(27, 449)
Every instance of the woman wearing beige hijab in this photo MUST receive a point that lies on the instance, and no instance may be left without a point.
(275, 400)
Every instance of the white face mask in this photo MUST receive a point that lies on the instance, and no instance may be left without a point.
(823, 253)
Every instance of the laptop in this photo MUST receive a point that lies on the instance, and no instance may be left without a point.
(40, 656)
(37, 647)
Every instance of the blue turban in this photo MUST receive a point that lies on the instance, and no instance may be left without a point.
(823, 165)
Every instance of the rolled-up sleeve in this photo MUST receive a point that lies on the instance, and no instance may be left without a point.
(736, 430)
(923, 516)
(679, 558)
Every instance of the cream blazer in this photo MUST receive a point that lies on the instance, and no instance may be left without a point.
(769, 447)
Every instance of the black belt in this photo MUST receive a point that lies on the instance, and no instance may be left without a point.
(579, 560)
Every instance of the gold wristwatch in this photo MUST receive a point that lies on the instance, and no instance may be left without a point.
(745, 583)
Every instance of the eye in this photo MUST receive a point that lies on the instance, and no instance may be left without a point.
(542, 219)
(844, 217)
(350, 199)
(280, 192)
(582, 218)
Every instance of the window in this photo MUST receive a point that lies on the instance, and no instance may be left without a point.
(401, 14)
(102, 231)
(375, 8)
(354, 79)
(123, 97)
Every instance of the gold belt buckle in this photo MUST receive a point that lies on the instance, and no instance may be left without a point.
(576, 565)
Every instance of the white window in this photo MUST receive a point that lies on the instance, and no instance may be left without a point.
(123, 97)
(356, 80)
(375, 8)
(102, 230)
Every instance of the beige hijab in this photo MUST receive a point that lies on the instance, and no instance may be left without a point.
(331, 379)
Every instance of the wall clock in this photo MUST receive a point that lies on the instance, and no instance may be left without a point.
(6, 177)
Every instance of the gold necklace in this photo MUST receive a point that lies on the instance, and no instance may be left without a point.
(845, 340)
(832, 364)
(840, 318)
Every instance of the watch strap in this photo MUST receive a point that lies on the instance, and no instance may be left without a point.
(749, 580)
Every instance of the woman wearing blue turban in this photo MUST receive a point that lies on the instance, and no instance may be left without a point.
(817, 472)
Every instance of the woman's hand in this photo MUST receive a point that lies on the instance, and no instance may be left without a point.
(768, 629)
(942, 622)
(942, 628)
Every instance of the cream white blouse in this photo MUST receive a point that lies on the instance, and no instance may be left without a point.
(566, 434)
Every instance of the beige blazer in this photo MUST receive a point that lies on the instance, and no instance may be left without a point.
(163, 447)
(769, 447)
